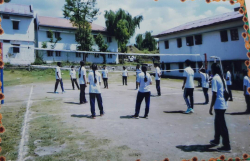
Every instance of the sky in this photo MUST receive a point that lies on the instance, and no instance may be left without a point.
(158, 16)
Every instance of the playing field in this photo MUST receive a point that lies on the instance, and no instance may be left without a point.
(58, 128)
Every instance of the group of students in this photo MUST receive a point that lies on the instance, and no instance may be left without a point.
(143, 82)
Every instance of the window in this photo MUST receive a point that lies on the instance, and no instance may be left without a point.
(57, 35)
(166, 44)
(15, 25)
(181, 66)
(234, 34)
(179, 43)
(198, 39)
(78, 55)
(49, 53)
(6, 17)
(168, 67)
(16, 48)
(49, 35)
(200, 64)
(109, 39)
(190, 41)
(6, 41)
(223, 36)
(58, 53)
(86, 55)
(193, 66)
(110, 55)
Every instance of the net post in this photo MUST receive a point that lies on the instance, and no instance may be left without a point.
(2, 87)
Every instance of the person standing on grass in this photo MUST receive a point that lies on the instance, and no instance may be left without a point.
(188, 86)
(124, 75)
(229, 83)
(138, 71)
(83, 82)
(95, 91)
(157, 78)
(246, 85)
(143, 81)
(73, 77)
(220, 106)
(205, 84)
(105, 77)
(58, 77)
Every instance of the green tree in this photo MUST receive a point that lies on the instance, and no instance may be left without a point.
(103, 47)
(149, 42)
(139, 40)
(122, 25)
(81, 14)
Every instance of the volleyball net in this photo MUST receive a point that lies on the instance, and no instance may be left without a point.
(129, 60)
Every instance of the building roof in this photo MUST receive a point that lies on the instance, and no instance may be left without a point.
(64, 23)
(202, 23)
(17, 9)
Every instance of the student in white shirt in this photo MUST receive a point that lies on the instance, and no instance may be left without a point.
(144, 81)
(220, 106)
(105, 77)
(138, 71)
(95, 91)
(229, 83)
(246, 85)
(205, 84)
(58, 77)
(124, 75)
(188, 86)
(83, 82)
(73, 77)
(157, 78)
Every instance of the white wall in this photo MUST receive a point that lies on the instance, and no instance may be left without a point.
(68, 43)
(211, 44)
(24, 36)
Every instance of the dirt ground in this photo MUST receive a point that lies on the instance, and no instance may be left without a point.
(59, 127)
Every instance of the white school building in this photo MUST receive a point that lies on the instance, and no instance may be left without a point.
(216, 36)
(18, 38)
(24, 33)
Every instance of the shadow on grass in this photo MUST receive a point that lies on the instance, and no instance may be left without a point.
(174, 111)
(196, 148)
(81, 116)
(75, 103)
(238, 113)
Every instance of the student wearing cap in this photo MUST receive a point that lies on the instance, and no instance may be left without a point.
(105, 77)
(188, 86)
(73, 77)
(83, 82)
(58, 75)
(95, 91)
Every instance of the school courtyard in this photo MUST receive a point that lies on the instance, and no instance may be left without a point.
(58, 128)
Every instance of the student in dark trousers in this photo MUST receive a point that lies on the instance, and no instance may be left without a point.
(246, 85)
(188, 86)
(73, 78)
(58, 78)
(229, 83)
(144, 81)
(138, 71)
(157, 78)
(205, 84)
(105, 77)
(124, 76)
(83, 82)
(95, 91)
(220, 106)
